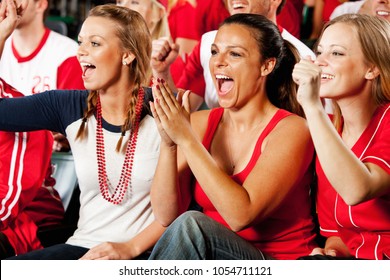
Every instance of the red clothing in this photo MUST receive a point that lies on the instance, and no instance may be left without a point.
(329, 6)
(364, 228)
(288, 232)
(291, 17)
(187, 21)
(26, 202)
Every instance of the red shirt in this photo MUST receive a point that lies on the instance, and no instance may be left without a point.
(364, 228)
(288, 232)
(26, 201)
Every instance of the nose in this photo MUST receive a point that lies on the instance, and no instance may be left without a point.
(320, 60)
(81, 50)
(218, 60)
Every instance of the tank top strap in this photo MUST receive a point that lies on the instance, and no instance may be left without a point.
(212, 124)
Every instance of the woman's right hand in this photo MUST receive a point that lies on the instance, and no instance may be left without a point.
(307, 75)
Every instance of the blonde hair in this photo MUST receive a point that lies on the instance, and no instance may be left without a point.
(161, 29)
(374, 37)
(134, 35)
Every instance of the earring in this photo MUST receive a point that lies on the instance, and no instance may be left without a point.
(124, 62)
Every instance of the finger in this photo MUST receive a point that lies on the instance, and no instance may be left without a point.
(2, 10)
(159, 104)
(186, 101)
(168, 97)
(317, 251)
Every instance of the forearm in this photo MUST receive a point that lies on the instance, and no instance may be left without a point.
(146, 239)
(164, 192)
(230, 199)
(342, 168)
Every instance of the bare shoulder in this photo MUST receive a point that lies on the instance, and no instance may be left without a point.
(291, 127)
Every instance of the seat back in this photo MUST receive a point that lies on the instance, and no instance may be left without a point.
(65, 175)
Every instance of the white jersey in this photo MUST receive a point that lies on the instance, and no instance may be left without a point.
(39, 71)
(347, 8)
(210, 96)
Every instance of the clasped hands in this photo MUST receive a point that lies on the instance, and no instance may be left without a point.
(171, 113)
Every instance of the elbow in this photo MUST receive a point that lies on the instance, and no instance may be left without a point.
(239, 224)
(355, 198)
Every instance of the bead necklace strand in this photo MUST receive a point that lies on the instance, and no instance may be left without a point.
(127, 168)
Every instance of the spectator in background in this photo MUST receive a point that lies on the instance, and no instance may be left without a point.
(190, 19)
(377, 8)
(353, 153)
(196, 75)
(321, 14)
(290, 17)
(34, 59)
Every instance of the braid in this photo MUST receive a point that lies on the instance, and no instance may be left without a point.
(130, 119)
(82, 132)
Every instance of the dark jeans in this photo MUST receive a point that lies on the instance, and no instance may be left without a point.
(56, 252)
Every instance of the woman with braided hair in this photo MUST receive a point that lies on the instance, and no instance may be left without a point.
(114, 139)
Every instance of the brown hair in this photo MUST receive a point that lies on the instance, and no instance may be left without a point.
(133, 32)
(373, 34)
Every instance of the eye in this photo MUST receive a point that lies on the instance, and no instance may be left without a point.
(336, 53)
(95, 44)
(79, 42)
(318, 53)
(235, 54)
(213, 52)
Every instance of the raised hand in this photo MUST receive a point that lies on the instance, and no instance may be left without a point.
(307, 75)
(164, 54)
(172, 117)
(10, 14)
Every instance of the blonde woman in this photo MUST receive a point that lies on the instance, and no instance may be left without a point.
(115, 142)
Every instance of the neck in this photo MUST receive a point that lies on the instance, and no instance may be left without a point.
(27, 39)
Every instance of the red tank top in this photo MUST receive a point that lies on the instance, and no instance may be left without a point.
(288, 232)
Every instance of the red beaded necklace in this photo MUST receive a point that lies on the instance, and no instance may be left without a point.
(127, 168)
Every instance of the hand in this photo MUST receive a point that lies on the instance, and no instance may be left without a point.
(109, 251)
(172, 117)
(10, 14)
(324, 252)
(308, 77)
(164, 53)
(60, 143)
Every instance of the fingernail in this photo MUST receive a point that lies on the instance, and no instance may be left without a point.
(162, 80)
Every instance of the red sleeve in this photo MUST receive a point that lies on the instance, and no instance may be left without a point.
(24, 160)
(69, 75)
(192, 76)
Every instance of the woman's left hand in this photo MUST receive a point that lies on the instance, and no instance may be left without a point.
(174, 116)
(109, 251)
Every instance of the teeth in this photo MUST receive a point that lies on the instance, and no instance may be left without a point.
(238, 5)
(86, 64)
(327, 76)
(223, 77)
(382, 13)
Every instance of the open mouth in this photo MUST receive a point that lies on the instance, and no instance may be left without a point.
(87, 68)
(238, 6)
(225, 83)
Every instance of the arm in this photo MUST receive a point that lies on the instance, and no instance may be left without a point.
(170, 192)
(131, 249)
(340, 164)
(251, 202)
(317, 19)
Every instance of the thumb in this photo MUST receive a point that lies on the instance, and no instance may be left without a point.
(186, 101)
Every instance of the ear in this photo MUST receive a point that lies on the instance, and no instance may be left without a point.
(127, 58)
(372, 73)
(268, 66)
